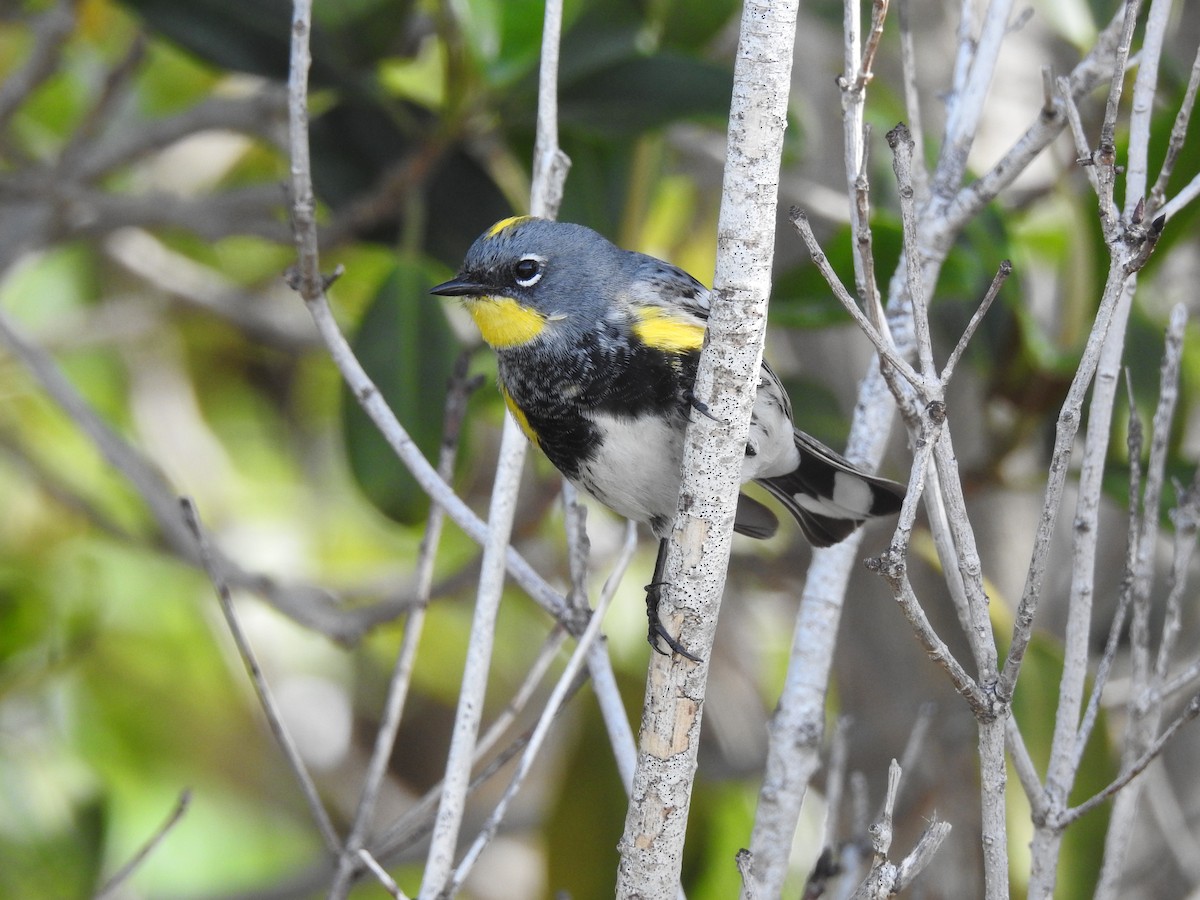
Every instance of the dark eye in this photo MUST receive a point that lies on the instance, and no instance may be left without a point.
(529, 270)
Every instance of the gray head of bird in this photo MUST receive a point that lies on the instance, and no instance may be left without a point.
(525, 275)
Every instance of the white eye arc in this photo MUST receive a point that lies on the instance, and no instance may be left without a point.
(529, 269)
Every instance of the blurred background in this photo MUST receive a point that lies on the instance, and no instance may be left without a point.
(151, 349)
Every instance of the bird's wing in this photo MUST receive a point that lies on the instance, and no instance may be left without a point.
(660, 284)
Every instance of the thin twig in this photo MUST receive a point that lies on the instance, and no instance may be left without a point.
(744, 860)
(891, 566)
(1185, 196)
(912, 102)
(265, 698)
(1105, 155)
(524, 764)
(112, 92)
(976, 318)
(972, 198)
(882, 345)
(1136, 767)
(468, 715)
(1066, 429)
(900, 141)
(1078, 135)
(975, 66)
(549, 167)
(1141, 111)
(1158, 192)
(459, 391)
(1184, 517)
(381, 875)
(122, 874)
(51, 30)
(881, 831)
(1134, 443)
(1181, 680)
(1026, 771)
(879, 9)
(416, 821)
(912, 865)
(835, 779)
(604, 681)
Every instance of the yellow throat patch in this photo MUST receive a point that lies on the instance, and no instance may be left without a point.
(504, 322)
(657, 328)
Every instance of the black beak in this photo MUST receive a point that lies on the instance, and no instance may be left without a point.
(459, 286)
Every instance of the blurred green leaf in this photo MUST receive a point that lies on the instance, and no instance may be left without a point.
(408, 349)
(588, 812)
(250, 37)
(722, 816)
(61, 864)
(641, 93)
(690, 25)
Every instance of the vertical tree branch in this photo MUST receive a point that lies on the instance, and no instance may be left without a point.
(549, 173)
(652, 845)
(1146, 700)
(397, 694)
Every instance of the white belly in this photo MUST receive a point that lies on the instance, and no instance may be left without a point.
(635, 471)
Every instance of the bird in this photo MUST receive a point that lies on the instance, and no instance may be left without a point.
(597, 349)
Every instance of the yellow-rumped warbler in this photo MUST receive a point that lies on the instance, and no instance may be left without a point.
(597, 350)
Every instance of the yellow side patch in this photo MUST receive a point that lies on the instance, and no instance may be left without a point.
(519, 416)
(505, 224)
(504, 322)
(657, 328)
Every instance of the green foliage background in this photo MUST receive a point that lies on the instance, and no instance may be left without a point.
(119, 687)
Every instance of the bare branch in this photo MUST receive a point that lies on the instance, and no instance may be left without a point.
(1125, 595)
(1105, 156)
(460, 389)
(265, 698)
(414, 825)
(922, 854)
(51, 30)
(549, 173)
(971, 89)
(835, 780)
(892, 568)
(122, 874)
(260, 114)
(887, 879)
(901, 144)
(557, 697)
(112, 90)
(879, 9)
(882, 344)
(1189, 193)
(912, 103)
(976, 318)
(1027, 774)
(1157, 195)
(745, 866)
(1145, 88)
(381, 875)
(1184, 516)
(1136, 768)
(1095, 66)
(1066, 429)
(726, 380)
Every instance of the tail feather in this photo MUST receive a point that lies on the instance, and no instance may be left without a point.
(829, 496)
